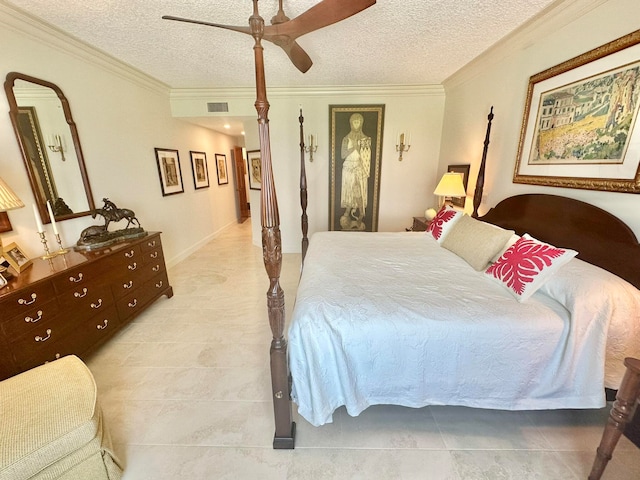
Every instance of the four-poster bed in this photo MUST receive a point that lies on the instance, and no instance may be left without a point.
(600, 239)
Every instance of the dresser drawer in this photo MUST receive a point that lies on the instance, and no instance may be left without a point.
(125, 284)
(86, 299)
(130, 253)
(25, 301)
(31, 318)
(134, 302)
(78, 277)
(41, 344)
(151, 243)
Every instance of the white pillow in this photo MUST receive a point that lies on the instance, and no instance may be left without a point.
(527, 264)
(475, 242)
(442, 222)
(513, 239)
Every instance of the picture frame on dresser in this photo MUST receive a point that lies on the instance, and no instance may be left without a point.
(16, 257)
(3, 281)
(169, 171)
(200, 169)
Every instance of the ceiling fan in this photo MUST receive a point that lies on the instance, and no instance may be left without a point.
(282, 32)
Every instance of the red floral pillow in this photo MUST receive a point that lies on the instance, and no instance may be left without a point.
(443, 221)
(527, 264)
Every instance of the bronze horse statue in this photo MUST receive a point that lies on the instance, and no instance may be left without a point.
(111, 213)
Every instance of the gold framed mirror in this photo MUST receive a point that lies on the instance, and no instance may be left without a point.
(50, 146)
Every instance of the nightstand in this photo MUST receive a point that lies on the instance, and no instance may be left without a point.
(420, 224)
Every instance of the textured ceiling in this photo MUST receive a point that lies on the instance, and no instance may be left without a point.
(393, 42)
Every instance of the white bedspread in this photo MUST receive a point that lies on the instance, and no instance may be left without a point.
(393, 318)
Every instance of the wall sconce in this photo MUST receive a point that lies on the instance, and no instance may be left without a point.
(313, 146)
(450, 186)
(403, 144)
(56, 145)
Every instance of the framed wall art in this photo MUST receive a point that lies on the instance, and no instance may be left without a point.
(254, 169)
(464, 171)
(355, 133)
(221, 167)
(580, 127)
(169, 171)
(16, 257)
(199, 169)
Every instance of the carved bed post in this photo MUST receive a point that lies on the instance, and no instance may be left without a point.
(272, 253)
(304, 220)
(477, 194)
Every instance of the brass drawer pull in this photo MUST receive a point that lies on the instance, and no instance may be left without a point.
(22, 301)
(156, 268)
(38, 338)
(97, 305)
(129, 254)
(103, 325)
(128, 285)
(76, 279)
(154, 255)
(159, 284)
(134, 303)
(80, 295)
(34, 320)
(132, 266)
(151, 244)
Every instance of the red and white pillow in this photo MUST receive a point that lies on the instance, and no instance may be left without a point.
(525, 266)
(442, 222)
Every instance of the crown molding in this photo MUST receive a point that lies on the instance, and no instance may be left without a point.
(310, 91)
(26, 24)
(549, 20)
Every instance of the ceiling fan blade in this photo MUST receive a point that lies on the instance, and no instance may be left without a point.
(298, 56)
(327, 12)
(246, 30)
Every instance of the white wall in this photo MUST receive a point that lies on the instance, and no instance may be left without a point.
(121, 117)
(500, 77)
(405, 187)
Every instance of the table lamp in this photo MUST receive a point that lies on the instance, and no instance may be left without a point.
(450, 186)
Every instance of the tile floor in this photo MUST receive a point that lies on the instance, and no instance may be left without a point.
(186, 393)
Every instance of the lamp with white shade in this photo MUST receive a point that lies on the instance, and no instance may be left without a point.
(450, 186)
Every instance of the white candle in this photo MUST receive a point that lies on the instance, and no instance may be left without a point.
(37, 217)
(53, 218)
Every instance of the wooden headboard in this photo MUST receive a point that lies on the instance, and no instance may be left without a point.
(599, 237)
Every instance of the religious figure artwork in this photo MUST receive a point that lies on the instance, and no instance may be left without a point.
(580, 128)
(200, 169)
(169, 171)
(354, 182)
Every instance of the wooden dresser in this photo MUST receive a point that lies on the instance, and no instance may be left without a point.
(72, 303)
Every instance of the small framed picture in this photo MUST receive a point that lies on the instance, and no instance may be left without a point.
(200, 169)
(169, 171)
(16, 257)
(3, 281)
(221, 166)
(255, 169)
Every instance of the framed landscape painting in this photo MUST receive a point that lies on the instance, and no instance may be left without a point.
(355, 133)
(580, 127)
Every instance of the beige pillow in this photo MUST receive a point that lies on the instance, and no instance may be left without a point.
(476, 242)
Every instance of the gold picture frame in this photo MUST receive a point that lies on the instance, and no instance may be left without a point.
(580, 125)
(355, 133)
(16, 257)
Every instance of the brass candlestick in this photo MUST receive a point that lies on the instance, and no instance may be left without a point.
(62, 250)
(47, 253)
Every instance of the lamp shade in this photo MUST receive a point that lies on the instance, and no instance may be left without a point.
(450, 186)
(8, 199)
